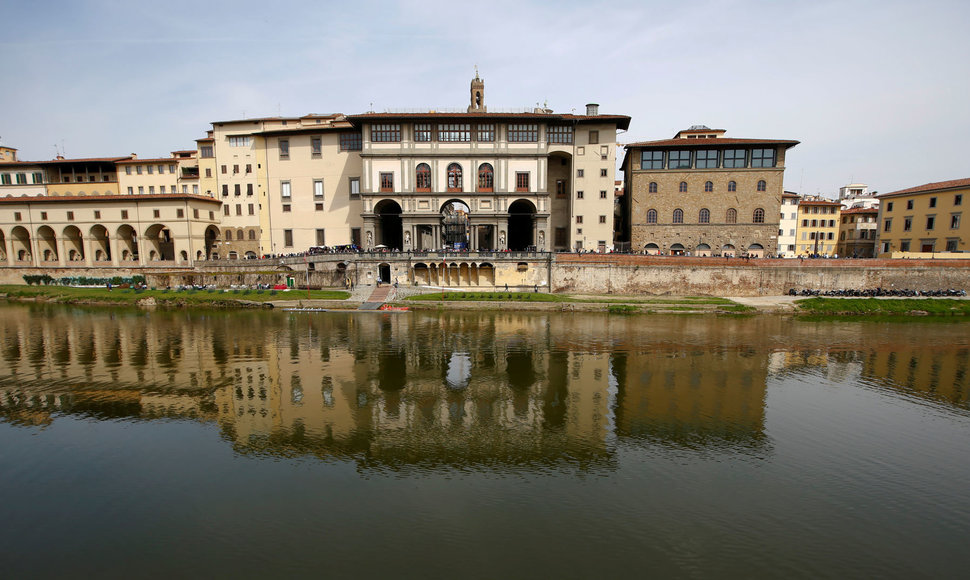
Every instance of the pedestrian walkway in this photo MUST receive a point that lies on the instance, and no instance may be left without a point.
(377, 298)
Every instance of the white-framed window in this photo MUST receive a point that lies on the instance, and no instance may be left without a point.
(318, 189)
(285, 189)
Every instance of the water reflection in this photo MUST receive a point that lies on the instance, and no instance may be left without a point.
(455, 389)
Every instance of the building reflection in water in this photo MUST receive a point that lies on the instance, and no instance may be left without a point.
(393, 391)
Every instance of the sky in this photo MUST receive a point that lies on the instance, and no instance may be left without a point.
(875, 91)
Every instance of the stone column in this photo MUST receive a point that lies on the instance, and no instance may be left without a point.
(60, 246)
(88, 250)
(114, 249)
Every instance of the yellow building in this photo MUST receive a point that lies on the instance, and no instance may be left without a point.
(82, 177)
(818, 227)
(924, 220)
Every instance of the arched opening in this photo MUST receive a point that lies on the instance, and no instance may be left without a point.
(211, 236)
(20, 244)
(703, 250)
(486, 177)
(676, 249)
(422, 177)
(651, 249)
(521, 224)
(384, 273)
(756, 251)
(128, 243)
(454, 177)
(160, 244)
(99, 243)
(486, 274)
(184, 256)
(251, 255)
(46, 244)
(454, 225)
(422, 274)
(729, 251)
(389, 231)
(3, 247)
(73, 244)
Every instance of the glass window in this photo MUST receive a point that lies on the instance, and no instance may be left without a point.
(732, 186)
(485, 177)
(354, 187)
(932, 202)
(709, 186)
(762, 186)
(594, 137)
(930, 222)
(422, 176)
(652, 216)
(734, 158)
(707, 159)
(206, 151)
(559, 134)
(954, 221)
(455, 133)
(316, 148)
(958, 199)
(651, 160)
(486, 133)
(522, 181)
(454, 177)
(351, 142)
(683, 187)
(653, 187)
(239, 141)
(704, 216)
(909, 204)
(759, 216)
(422, 132)
(385, 133)
(762, 158)
(678, 216)
(284, 189)
(731, 216)
(387, 181)
(519, 133)
(678, 160)
(318, 189)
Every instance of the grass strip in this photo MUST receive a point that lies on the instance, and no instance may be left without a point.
(869, 306)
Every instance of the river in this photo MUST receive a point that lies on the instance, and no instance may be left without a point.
(480, 445)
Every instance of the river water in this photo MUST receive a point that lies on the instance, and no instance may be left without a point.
(492, 445)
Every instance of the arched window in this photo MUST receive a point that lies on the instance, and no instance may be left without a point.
(653, 187)
(709, 187)
(422, 177)
(228, 235)
(486, 177)
(683, 187)
(732, 186)
(454, 177)
(704, 216)
(252, 234)
(762, 186)
(759, 216)
(652, 216)
(678, 216)
(731, 216)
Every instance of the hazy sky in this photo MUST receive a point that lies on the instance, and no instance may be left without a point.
(876, 91)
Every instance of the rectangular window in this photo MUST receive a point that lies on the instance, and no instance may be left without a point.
(318, 207)
(124, 214)
(286, 207)
(594, 137)
(580, 172)
(225, 209)
(932, 202)
(580, 195)
(321, 238)
(354, 187)
(97, 214)
(225, 190)
(951, 245)
(603, 173)
(907, 224)
(387, 181)
(522, 181)
(237, 189)
(579, 219)
(351, 142)
(223, 169)
(288, 238)
(138, 170)
(285, 189)
(179, 212)
(240, 141)
(560, 237)
(678, 160)
(195, 213)
(5, 179)
(602, 219)
(520, 133)
(171, 169)
(734, 158)
(212, 215)
(249, 189)
(70, 216)
(157, 213)
(958, 199)
(930, 222)
(252, 209)
(235, 169)
(602, 194)
(238, 209)
(127, 169)
(208, 172)
(707, 159)
(141, 190)
(151, 190)
(355, 236)
(161, 170)
(560, 134)
(131, 190)
(486, 134)
(317, 189)
(954, 221)
(909, 204)
(17, 216)
(316, 147)
(249, 168)
(150, 169)
(422, 132)
(455, 133)
(206, 151)
(560, 188)
(284, 148)
(889, 206)
(762, 158)
(887, 224)
(385, 133)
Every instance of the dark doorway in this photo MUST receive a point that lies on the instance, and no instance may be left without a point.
(389, 230)
(384, 272)
(521, 221)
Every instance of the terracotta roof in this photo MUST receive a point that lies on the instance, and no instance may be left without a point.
(86, 160)
(622, 121)
(709, 143)
(936, 186)
(855, 210)
(819, 202)
(148, 160)
(102, 198)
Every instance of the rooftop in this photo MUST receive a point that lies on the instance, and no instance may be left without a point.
(927, 187)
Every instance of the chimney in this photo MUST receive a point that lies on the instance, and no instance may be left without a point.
(592, 109)
(134, 156)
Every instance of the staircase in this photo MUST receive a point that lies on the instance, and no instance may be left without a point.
(377, 298)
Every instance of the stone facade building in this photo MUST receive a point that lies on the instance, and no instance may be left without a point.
(702, 193)
(857, 232)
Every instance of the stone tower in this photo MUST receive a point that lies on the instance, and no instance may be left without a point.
(477, 104)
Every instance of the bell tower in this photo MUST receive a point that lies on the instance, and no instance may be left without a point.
(477, 104)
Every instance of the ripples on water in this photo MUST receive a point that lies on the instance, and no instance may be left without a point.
(507, 444)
